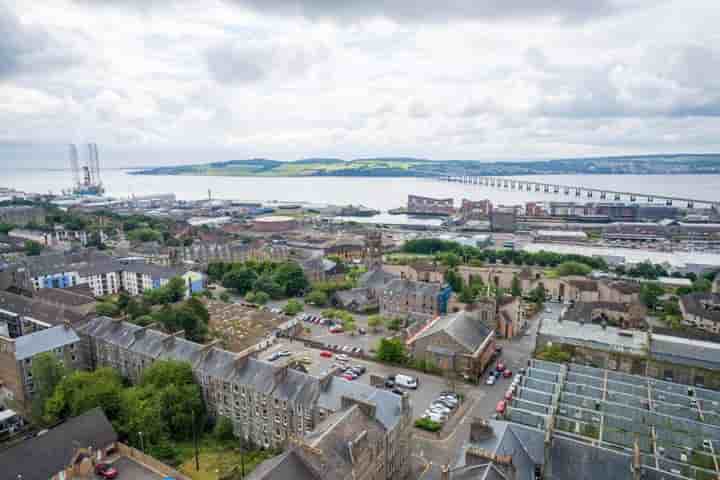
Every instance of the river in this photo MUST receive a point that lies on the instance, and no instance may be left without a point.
(377, 192)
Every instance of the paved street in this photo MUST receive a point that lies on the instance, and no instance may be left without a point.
(516, 353)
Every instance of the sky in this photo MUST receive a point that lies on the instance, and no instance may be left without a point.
(156, 82)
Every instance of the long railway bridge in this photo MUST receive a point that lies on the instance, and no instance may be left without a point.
(577, 191)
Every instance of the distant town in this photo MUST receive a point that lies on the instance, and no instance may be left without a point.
(259, 338)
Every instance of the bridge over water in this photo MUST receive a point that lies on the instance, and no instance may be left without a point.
(579, 192)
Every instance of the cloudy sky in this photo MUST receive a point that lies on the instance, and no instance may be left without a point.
(174, 81)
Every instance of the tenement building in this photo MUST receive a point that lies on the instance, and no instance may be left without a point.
(414, 300)
(417, 205)
(268, 405)
(701, 310)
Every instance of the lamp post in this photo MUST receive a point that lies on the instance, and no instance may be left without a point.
(142, 445)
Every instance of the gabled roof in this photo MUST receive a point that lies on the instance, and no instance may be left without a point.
(375, 278)
(45, 340)
(409, 287)
(44, 456)
(287, 465)
(388, 406)
(463, 327)
(703, 305)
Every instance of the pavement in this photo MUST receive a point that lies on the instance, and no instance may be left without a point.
(129, 469)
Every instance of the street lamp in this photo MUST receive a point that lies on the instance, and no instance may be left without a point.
(142, 446)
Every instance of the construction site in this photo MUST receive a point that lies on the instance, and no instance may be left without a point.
(86, 178)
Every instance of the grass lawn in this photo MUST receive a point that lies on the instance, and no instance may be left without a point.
(217, 460)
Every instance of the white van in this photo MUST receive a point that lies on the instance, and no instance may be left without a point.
(406, 381)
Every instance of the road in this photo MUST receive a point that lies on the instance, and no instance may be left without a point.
(516, 353)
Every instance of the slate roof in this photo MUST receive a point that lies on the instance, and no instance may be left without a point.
(409, 287)
(388, 405)
(29, 307)
(685, 351)
(463, 327)
(574, 460)
(704, 305)
(287, 465)
(73, 297)
(51, 263)
(376, 278)
(45, 340)
(44, 456)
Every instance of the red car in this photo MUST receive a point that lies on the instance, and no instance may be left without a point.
(347, 376)
(508, 395)
(500, 367)
(500, 408)
(336, 330)
(106, 470)
(507, 373)
(326, 354)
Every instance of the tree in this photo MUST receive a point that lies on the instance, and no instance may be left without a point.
(240, 280)
(32, 248)
(467, 295)
(573, 268)
(293, 307)
(176, 289)
(374, 321)
(265, 283)
(515, 288)
(554, 353)
(391, 350)
(261, 298)
(538, 295)
(225, 297)
(348, 323)
(650, 293)
(317, 298)
(291, 278)
(81, 391)
(6, 228)
(47, 372)
(144, 235)
(107, 309)
(393, 323)
(702, 285)
(223, 431)
(454, 280)
(450, 259)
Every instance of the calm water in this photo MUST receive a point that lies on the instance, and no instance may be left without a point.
(378, 193)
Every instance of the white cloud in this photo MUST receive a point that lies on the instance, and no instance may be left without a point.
(291, 79)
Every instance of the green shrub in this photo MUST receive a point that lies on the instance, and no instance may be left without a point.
(428, 425)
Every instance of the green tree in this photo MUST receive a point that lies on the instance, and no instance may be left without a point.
(123, 300)
(348, 323)
(702, 285)
(6, 228)
(454, 280)
(107, 309)
(467, 295)
(374, 321)
(449, 259)
(554, 353)
(225, 297)
(538, 295)
(317, 298)
(650, 293)
(241, 280)
(176, 289)
(145, 235)
(291, 278)
(81, 391)
(566, 269)
(47, 372)
(515, 288)
(266, 284)
(32, 248)
(223, 431)
(391, 350)
(393, 324)
(293, 307)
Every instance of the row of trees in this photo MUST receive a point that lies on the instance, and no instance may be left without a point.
(453, 253)
(163, 405)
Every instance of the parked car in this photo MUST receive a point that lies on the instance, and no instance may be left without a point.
(357, 350)
(390, 383)
(342, 357)
(347, 376)
(283, 353)
(500, 367)
(326, 354)
(274, 356)
(362, 331)
(490, 380)
(397, 391)
(406, 381)
(498, 349)
(450, 402)
(500, 407)
(439, 407)
(435, 417)
(360, 368)
(507, 373)
(105, 470)
(336, 329)
(509, 395)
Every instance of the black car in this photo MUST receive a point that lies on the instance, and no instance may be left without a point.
(390, 384)
(397, 391)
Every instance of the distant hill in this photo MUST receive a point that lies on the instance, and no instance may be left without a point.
(418, 167)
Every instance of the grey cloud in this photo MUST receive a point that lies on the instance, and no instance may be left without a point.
(434, 11)
(24, 49)
(236, 63)
(418, 109)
